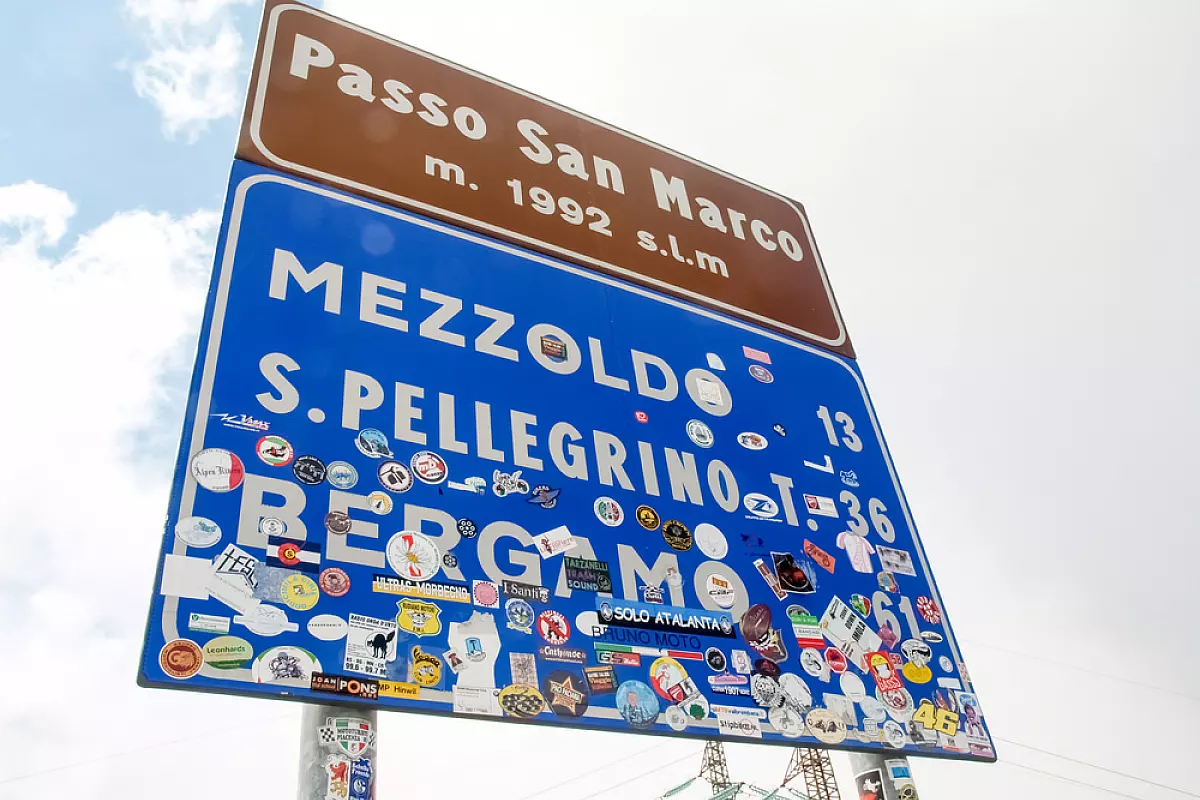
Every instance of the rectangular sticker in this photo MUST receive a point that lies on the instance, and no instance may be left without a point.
(601, 680)
(821, 506)
(555, 541)
(899, 561)
(427, 590)
(646, 616)
(587, 574)
(208, 623)
(370, 644)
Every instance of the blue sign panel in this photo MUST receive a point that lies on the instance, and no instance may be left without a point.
(427, 471)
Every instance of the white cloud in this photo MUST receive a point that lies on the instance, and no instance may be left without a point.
(87, 336)
(190, 73)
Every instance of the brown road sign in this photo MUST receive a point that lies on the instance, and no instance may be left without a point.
(339, 104)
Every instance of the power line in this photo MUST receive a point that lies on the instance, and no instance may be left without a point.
(1097, 766)
(637, 777)
(592, 771)
(1070, 780)
(1077, 668)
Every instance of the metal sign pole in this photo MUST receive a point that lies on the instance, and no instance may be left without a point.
(337, 753)
(882, 777)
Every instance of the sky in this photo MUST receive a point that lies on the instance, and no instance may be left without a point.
(1004, 197)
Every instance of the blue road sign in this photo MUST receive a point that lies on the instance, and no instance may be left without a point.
(426, 471)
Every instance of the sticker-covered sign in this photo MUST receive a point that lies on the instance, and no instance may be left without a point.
(443, 575)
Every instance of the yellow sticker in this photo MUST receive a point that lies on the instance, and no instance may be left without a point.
(299, 592)
(405, 691)
(426, 668)
(419, 617)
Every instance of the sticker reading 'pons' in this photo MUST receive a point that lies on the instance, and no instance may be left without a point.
(523, 429)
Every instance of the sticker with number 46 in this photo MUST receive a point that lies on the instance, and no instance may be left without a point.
(938, 719)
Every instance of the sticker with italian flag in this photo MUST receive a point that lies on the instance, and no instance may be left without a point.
(217, 470)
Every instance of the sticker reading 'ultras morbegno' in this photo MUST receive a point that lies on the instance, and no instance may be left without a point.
(347, 107)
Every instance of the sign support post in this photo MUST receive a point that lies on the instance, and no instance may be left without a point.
(324, 765)
(882, 777)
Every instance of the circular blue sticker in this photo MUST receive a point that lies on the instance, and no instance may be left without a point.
(637, 703)
(373, 443)
(520, 615)
(341, 475)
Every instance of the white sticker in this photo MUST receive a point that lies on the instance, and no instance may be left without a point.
(738, 725)
(267, 620)
(370, 644)
(709, 391)
(852, 686)
(186, 576)
(898, 561)
(588, 623)
(721, 590)
(752, 441)
(217, 470)
(327, 627)
(820, 505)
(555, 541)
(711, 541)
(198, 531)
(234, 578)
(208, 623)
(286, 666)
(473, 700)
(715, 362)
(950, 683)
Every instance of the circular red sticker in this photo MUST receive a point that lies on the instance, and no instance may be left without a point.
(181, 658)
(835, 659)
(334, 581)
(289, 554)
(553, 627)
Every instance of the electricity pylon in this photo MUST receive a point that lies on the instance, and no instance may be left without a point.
(817, 769)
(713, 767)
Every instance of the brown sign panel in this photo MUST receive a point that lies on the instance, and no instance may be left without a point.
(338, 104)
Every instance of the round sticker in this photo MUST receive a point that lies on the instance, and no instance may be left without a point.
(711, 541)
(826, 726)
(667, 677)
(700, 433)
(677, 535)
(338, 522)
(899, 703)
(608, 511)
(814, 664)
(379, 502)
(676, 719)
(715, 659)
(341, 475)
(933, 637)
(760, 505)
(553, 627)
(299, 592)
(852, 686)
(429, 467)
(893, 734)
(289, 553)
(327, 627)
(309, 470)
(765, 691)
(638, 704)
(860, 604)
(266, 620)
(648, 518)
(287, 665)
(752, 441)
(198, 531)
(334, 581)
(763, 375)
(272, 526)
(274, 450)
(872, 708)
(835, 659)
(449, 560)
(373, 443)
(227, 652)
(721, 590)
(641, 416)
(787, 721)
(466, 528)
(395, 477)
(566, 693)
(413, 555)
(217, 470)
(523, 702)
(180, 658)
(796, 693)
(520, 615)
(946, 664)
